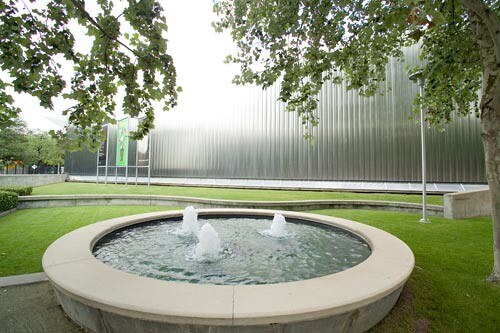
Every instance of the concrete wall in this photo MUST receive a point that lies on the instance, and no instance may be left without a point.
(31, 180)
(42, 201)
(467, 204)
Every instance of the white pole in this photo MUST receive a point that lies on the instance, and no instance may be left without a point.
(136, 174)
(423, 126)
(128, 144)
(107, 154)
(149, 156)
(136, 160)
(97, 168)
(420, 80)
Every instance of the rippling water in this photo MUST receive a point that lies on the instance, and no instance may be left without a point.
(248, 256)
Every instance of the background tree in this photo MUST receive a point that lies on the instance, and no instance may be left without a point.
(128, 50)
(20, 146)
(12, 142)
(306, 43)
(41, 148)
(52, 153)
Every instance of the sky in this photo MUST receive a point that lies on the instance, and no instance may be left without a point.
(198, 54)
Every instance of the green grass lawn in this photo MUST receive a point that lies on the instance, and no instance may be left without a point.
(26, 234)
(447, 291)
(225, 193)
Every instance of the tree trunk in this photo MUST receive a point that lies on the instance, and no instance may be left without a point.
(490, 125)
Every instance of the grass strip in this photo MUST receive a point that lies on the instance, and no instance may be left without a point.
(226, 193)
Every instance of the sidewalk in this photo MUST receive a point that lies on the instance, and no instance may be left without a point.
(33, 308)
(311, 185)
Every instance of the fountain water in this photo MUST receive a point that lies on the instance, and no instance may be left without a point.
(209, 243)
(278, 227)
(190, 221)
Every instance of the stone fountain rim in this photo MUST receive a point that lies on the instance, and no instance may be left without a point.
(75, 272)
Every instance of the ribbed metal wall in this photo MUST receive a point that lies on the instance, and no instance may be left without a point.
(365, 139)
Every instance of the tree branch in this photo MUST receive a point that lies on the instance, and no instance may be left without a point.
(40, 34)
(82, 10)
(489, 19)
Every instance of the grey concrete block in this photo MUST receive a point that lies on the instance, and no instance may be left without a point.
(467, 204)
(31, 180)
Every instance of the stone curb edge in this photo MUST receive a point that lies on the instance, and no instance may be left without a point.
(39, 201)
(7, 212)
(23, 279)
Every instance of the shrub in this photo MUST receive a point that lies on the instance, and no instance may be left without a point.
(8, 200)
(20, 190)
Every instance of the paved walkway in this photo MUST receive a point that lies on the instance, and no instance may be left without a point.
(401, 187)
(33, 308)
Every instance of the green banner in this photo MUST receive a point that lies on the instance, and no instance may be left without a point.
(122, 143)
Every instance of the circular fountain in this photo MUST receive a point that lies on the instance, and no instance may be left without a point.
(228, 270)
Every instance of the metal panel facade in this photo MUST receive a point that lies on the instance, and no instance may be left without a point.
(358, 138)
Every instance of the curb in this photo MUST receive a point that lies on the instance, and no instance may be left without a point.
(18, 280)
(7, 212)
(42, 201)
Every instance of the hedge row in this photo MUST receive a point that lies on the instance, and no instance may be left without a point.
(20, 190)
(8, 200)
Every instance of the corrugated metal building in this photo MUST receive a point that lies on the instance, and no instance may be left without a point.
(358, 139)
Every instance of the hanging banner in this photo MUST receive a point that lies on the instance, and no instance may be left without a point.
(143, 150)
(122, 142)
(103, 154)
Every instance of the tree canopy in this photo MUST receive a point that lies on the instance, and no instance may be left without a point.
(305, 43)
(20, 146)
(302, 43)
(12, 142)
(128, 52)
(42, 148)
